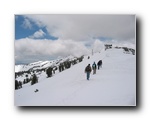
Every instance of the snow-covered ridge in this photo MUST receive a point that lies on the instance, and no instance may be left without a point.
(113, 85)
(42, 64)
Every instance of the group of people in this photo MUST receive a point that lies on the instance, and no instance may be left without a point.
(88, 68)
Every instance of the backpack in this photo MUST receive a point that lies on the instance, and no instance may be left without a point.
(88, 68)
(93, 66)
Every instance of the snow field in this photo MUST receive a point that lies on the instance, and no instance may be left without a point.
(113, 85)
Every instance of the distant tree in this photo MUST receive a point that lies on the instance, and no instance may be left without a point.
(80, 58)
(26, 75)
(16, 84)
(60, 68)
(108, 46)
(27, 80)
(69, 64)
(24, 81)
(132, 50)
(125, 49)
(75, 61)
(56, 68)
(15, 75)
(34, 79)
(49, 72)
(20, 84)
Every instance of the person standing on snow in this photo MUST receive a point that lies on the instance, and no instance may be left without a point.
(94, 68)
(88, 70)
(99, 64)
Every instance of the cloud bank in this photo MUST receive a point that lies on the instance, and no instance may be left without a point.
(77, 35)
(27, 49)
(85, 27)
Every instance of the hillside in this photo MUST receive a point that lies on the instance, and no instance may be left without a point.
(42, 64)
(113, 85)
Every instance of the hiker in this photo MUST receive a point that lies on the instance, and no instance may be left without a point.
(94, 68)
(88, 71)
(99, 64)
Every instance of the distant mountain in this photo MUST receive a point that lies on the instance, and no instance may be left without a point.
(43, 64)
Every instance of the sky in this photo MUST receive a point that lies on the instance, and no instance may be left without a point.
(41, 37)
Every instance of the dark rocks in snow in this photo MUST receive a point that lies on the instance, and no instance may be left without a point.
(108, 46)
(36, 90)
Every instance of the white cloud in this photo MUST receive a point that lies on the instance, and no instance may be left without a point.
(29, 50)
(85, 27)
(38, 34)
(97, 46)
(76, 35)
(26, 24)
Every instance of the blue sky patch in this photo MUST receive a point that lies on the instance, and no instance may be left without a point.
(26, 28)
(103, 38)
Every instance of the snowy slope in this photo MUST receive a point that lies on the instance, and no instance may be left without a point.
(41, 64)
(113, 85)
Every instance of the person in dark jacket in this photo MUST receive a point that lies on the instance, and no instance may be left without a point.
(99, 64)
(88, 70)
